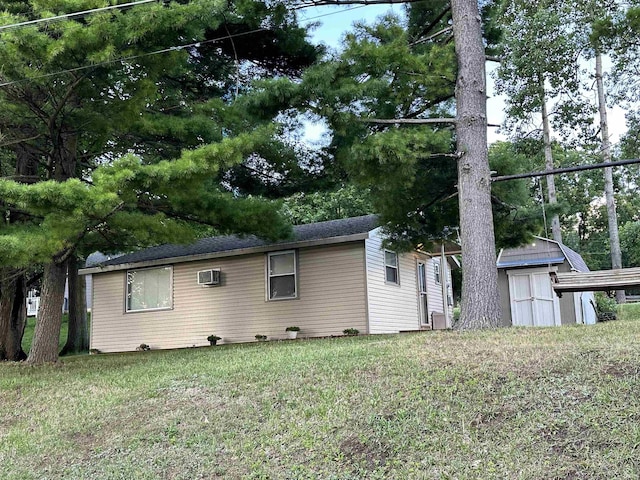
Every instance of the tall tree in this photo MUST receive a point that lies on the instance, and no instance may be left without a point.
(612, 216)
(480, 306)
(539, 69)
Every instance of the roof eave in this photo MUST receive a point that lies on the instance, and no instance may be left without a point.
(226, 253)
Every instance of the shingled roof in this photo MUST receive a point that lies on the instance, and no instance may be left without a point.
(575, 260)
(333, 229)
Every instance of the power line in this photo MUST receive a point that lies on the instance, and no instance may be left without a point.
(557, 171)
(75, 14)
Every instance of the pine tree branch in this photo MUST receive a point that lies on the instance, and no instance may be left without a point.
(431, 37)
(21, 140)
(63, 102)
(416, 121)
(434, 23)
(64, 254)
(410, 121)
(321, 3)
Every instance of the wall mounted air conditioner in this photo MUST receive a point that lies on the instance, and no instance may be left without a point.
(209, 277)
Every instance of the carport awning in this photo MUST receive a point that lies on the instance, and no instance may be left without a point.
(600, 280)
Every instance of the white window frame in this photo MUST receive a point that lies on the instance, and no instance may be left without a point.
(269, 276)
(126, 290)
(396, 266)
(437, 277)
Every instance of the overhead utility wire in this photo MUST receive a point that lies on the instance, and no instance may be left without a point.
(556, 171)
(164, 50)
(76, 14)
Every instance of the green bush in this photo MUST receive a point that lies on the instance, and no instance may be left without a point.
(351, 331)
(606, 306)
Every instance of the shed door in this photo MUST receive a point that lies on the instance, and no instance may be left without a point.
(533, 302)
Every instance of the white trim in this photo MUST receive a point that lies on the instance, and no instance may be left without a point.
(126, 290)
(269, 276)
(397, 267)
(424, 319)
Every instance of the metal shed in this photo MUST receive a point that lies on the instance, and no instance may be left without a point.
(526, 289)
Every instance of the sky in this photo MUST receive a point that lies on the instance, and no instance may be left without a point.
(335, 21)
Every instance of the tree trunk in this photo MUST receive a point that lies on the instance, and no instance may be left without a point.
(548, 160)
(78, 333)
(614, 236)
(47, 333)
(13, 314)
(480, 298)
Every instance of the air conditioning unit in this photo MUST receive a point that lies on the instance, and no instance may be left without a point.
(209, 277)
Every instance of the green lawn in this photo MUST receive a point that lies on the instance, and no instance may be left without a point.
(29, 329)
(512, 403)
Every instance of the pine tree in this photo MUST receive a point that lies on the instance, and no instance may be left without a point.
(77, 93)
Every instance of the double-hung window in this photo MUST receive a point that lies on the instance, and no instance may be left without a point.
(281, 275)
(149, 289)
(391, 274)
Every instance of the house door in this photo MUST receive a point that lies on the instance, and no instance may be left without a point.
(533, 302)
(425, 321)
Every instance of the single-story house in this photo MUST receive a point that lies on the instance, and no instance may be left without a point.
(329, 277)
(526, 289)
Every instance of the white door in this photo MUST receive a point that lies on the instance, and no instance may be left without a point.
(533, 301)
(422, 294)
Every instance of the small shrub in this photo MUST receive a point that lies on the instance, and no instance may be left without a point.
(213, 339)
(261, 338)
(606, 307)
(292, 329)
(352, 332)
(143, 347)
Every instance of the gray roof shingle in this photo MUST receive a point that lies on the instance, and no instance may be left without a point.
(301, 233)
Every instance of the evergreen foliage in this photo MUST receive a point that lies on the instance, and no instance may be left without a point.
(114, 139)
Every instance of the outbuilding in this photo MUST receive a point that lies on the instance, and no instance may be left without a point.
(526, 288)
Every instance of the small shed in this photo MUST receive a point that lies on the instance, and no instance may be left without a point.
(526, 287)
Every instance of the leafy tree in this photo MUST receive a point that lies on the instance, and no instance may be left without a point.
(347, 201)
(77, 93)
(540, 52)
(630, 240)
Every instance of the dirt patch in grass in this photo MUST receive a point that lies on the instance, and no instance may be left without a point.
(363, 454)
(621, 370)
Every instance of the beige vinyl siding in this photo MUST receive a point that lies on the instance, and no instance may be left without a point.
(331, 298)
(505, 298)
(392, 308)
(568, 313)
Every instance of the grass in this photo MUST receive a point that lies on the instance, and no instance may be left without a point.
(512, 403)
(29, 330)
